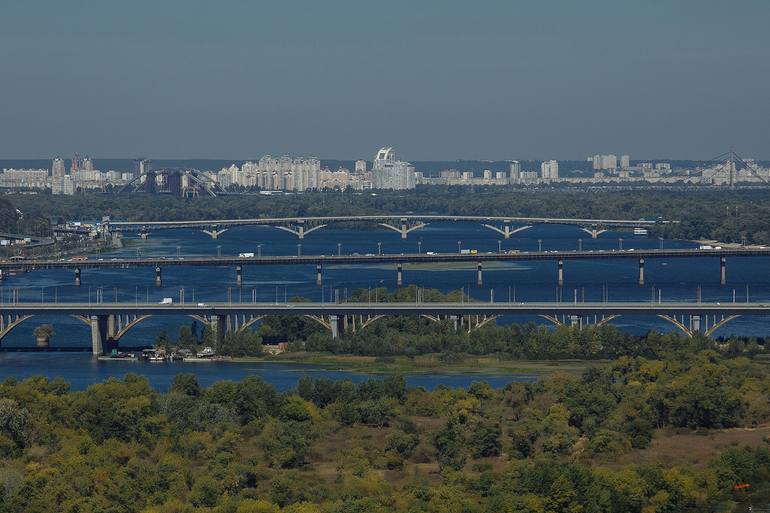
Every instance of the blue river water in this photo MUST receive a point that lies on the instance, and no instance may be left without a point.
(671, 279)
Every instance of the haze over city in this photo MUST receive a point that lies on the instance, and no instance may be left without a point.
(439, 80)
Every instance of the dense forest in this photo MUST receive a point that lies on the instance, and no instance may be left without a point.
(721, 214)
(590, 443)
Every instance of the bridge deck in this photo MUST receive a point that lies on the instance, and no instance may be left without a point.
(389, 258)
(475, 308)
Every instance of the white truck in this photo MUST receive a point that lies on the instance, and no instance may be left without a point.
(166, 301)
(246, 255)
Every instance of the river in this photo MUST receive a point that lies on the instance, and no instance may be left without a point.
(673, 279)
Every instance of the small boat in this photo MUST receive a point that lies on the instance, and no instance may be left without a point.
(641, 231)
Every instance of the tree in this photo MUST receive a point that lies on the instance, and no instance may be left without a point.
(186, 383)
(485, 439)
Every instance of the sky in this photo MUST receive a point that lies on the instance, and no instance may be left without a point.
(337, 79)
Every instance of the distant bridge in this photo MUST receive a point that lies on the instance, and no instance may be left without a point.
(110, 321)
(401, 223)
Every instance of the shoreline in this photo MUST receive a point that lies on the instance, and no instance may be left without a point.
(426, 364)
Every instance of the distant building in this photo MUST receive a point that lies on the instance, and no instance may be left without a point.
(515, 171)
(625, 161)
(76, 164)
(88, 164)
(605, 162)
(63, 185)
(389, 173)
(141, 166)
(360, 166)
(549, 170)
(57, 168)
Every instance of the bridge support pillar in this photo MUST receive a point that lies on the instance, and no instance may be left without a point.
(399, 275)
(144, 234)
(98, 334)
(301, 231)
(318, 276)
(695, 321)
(404, 228)
(575, 321)
(337, 324)
(238, 275)
(722, 271)
(158, 279)
(641, 271)
(560, 273)
(479, 275)
(77, 276)
(220, 329)
(454, 320)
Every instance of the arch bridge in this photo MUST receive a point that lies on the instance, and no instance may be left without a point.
(111, 321)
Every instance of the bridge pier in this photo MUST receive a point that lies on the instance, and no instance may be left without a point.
(144, 234)
(77, 276)
(560, 273)
(399, 275)
(722, 271)
(695, 322)
(641, 271)
(158, 279)
(238, 275)
(337, 325)
(318, 276)
(220, 329)
(454, 320)
(479, 275)
(98, 333)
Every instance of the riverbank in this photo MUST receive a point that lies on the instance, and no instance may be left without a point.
(427, 364)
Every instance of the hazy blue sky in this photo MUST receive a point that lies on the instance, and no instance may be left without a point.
(437, 79)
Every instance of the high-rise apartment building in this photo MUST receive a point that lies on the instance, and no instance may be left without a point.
(549, 170)
(360, 166)
(57, 168)
(88, 164)
(625, 161)
(515, 171)
(141, 166)
(605, 162)
(389, 173)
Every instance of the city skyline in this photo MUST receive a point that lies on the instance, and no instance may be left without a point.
(439, 80)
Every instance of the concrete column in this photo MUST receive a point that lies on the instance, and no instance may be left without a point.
(404, 229)
(111, 326)
(641, 271)
(479, 275)
(337, 324)
(220, 329)
(507, 230)
(158, 279)
(144, 235)
(575, 321)
(399, 275)
(454, 320)
(318, 276)
(594, 233)
(97, 334)
(238, 275)
(722, 270)
(77, 276)
(301, 231)
(695, 319)
(2, 275)
(560, 277)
